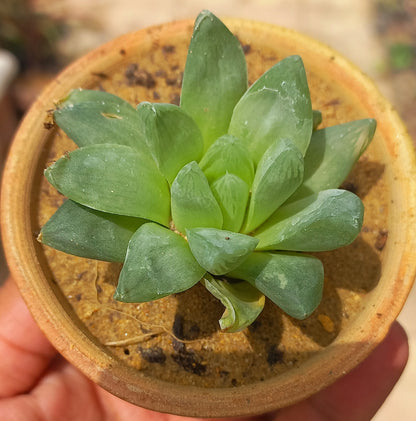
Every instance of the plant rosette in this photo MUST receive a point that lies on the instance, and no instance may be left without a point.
(184, 188)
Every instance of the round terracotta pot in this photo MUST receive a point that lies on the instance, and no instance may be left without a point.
(190, 368)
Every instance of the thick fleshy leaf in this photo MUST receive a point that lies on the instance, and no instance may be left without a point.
(93, 117)
(172, 136)
(243, 303)
(227, 155)
(332, 153)
(84, 232)
(232, 195)
(317, 119)
(215, 76)
(294, 282)
(219, 251)
(158, 263)
(276, 106)
(278, 175)
(115, 179)
(324, 221)
(193, 204)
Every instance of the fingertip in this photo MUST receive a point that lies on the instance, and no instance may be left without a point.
(25, 351)
(397, 343)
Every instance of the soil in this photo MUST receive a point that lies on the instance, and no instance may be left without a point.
(177, 338)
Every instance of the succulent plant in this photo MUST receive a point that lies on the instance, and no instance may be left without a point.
(230, 188)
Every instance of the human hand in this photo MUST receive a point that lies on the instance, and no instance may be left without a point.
(37, 384)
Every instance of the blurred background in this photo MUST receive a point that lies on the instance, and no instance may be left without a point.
(39, 37)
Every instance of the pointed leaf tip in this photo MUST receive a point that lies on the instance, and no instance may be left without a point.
(324, 221)
(227, 155)
(172, 136)
(193, 203)
(84, 232)
(94, 117)
(232, 195)
(294, 282)
(115, 179)
(219, 251)
(278, 175)
(215, 76)
(158, 263)
(243, 303)
(276, 106)
(332, 153)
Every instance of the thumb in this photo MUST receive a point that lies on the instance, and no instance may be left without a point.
(25, 351)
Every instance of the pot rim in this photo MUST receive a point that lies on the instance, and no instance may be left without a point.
(63, 332)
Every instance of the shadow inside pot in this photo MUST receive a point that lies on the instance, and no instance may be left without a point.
(356, 267)
(350, 271)
(363, 177)
(196, 321)
(265, 335)
(325, 323)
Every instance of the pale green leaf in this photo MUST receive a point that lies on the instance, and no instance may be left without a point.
(232, 195)
(84, 232)
(115, 179)
(276, 106)
(278, 175)
(158, 263)
(95, 117)
(215, 76)
(219, 251)
(332, 153)
(317, 119)
(294, 282)
(227, 155)
(193, 204)
(324, 221)
(172, 136)
(243, 303)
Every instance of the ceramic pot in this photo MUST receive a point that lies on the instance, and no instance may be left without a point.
(168, 355)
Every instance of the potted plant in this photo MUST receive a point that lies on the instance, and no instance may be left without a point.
(209, 194)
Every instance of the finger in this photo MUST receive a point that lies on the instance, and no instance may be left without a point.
(358, 395)
(117, 409)
(24, 350)
(63, 393)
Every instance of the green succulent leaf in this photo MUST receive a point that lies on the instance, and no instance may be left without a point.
(172, 136)
(231, 193)
(277, 106)
(193, 203)
(115, 179)
(243, 303)
(94, 117)
(286, 76)
(227, 155)
(158, 263)
(215, 76)
(332, 153)
(219, 251)
(85, 232)
(294, 282)
(278, 175)
(324, 221)
(317, 119)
